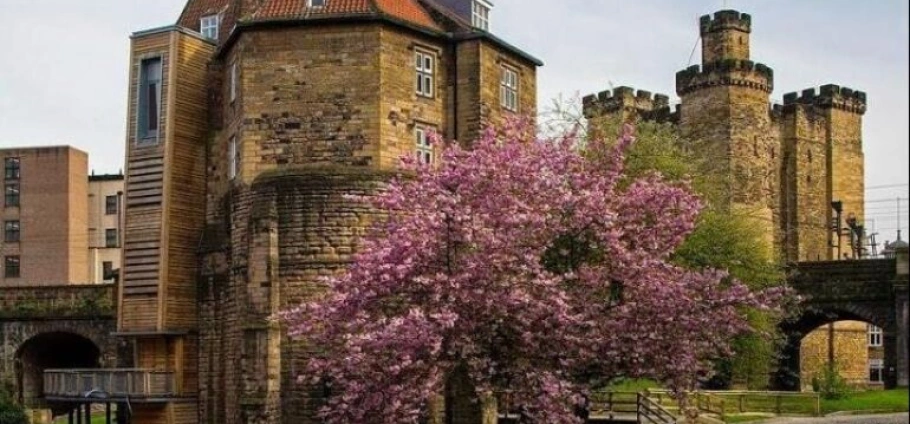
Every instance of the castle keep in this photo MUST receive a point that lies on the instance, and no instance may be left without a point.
(795, 169)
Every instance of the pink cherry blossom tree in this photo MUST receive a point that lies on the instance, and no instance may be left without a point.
(530, 265)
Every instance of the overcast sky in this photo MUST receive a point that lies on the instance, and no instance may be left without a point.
(63, 70)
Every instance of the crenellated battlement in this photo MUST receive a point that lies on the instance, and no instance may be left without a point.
(829, 96)
(622, 99)
(725, 19)
(744, 73)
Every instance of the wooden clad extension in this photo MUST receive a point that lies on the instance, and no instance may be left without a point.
(165, 187)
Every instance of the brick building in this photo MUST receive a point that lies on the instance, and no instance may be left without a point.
(60, 225)
(44, 215)
(249, 123)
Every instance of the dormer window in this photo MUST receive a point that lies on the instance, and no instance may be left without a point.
(208, 26)
(480, 10)
(316, 3)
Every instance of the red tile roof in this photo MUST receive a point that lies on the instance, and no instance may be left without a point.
(410, 11)
(196, 9)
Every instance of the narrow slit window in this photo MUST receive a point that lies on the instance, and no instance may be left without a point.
(149, 99)
(234, 79)
(235, 158)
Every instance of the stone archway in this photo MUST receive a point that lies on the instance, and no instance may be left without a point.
(788, 375)
(50, 350)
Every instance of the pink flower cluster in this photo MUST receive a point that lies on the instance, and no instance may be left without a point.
(534, 267)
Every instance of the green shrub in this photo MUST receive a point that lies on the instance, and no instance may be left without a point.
(10, 411)
(831, 385)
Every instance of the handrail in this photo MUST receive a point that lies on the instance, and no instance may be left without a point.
(116, 383)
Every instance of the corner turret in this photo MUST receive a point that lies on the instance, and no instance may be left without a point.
(725, 36)
(829, 96)
(629, 102)
(727, 72)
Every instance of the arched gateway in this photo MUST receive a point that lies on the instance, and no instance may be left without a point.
(873, 291)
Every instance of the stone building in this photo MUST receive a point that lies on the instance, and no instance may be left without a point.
(249, 122)
(855, 349)
(795, 169)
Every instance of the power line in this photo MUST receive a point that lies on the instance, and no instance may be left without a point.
(887, 186)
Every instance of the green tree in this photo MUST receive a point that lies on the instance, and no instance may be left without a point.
(10, 411)
(724, 238)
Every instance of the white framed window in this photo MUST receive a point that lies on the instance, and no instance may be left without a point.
(508, 89)
(235, 158)
(425, 65)
(481, 15)
(423, 148)
(316, 3)
(875, 336)
(876, 370)
(208, 26)
(234, 79)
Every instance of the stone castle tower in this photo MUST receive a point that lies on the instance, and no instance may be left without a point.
(795, 169)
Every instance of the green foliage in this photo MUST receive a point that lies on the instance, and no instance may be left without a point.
(831, 384)
(880, 401)
(723, 239)
(10, 411)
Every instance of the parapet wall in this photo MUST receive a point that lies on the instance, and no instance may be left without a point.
(727, 72)
(828, 96)
(725, 19)
(625, 98)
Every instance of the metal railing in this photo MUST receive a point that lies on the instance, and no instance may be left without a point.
(114, 383)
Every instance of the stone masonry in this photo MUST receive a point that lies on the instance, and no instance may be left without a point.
(784, 164)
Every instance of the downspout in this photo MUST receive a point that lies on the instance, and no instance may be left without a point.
(454, 44)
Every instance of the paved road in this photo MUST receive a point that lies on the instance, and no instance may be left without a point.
(846, 419)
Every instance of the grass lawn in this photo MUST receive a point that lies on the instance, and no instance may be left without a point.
(745, 418)
(873, 400)
(636, 385)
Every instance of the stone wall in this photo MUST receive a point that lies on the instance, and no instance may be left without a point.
(288, 230)
(851, 353)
